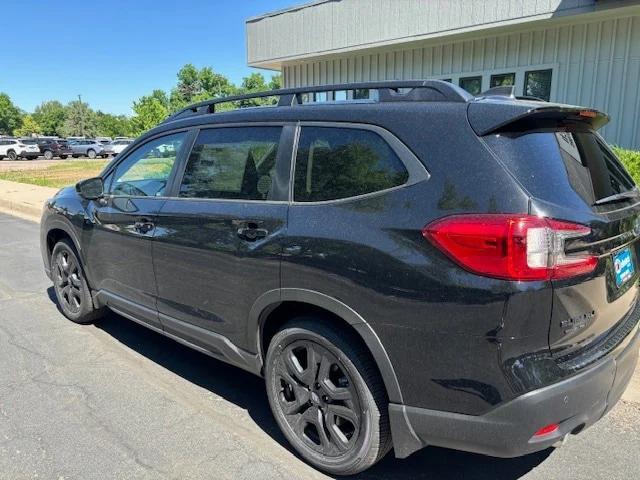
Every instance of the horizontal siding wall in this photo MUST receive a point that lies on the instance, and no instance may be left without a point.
(594, 64)
(331, 25)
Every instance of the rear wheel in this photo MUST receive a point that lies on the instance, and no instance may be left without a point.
(327, 397)
(63, 157)
(12, 155)
(91, 154)
(48, 154)
(72, 291)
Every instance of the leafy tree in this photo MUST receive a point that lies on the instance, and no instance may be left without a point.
(113, 125)
(149, 110)
(80, 120)
(276, 82)
(10, 116)
(50, 116)
(196, 85)
(29, 127)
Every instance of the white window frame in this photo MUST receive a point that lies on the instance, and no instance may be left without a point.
(519, 81)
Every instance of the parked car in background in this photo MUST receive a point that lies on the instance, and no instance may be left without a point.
(87, 148)
(104, 140)
(119, 145)
(53, 147)
(13, 149)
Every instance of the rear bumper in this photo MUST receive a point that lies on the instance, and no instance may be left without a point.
(575, 404)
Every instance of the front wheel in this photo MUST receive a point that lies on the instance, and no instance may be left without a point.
(91, 154)
(12, 155)
(72, 292)
(327, 396)
(48, 154)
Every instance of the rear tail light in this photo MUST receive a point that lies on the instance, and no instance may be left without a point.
(548, 430)
(511, 247)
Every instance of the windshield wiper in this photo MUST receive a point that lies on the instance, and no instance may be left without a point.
(618, 197)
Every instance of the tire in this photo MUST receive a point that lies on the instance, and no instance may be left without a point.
(91, 154)
(75, 156)
(48, 155)
(104, 156)
(340, 429)
(12, 155)
(63, 157)
(72, 292)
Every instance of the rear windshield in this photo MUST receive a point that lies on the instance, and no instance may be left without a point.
(549, 162)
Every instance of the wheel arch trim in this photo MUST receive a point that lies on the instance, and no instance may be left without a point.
(270, 300)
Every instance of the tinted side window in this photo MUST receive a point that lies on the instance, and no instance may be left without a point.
(232, 163)
(333, 163)
(146, 170)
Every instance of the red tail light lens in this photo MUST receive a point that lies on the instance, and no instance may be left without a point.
(548, 430)
(511, 247)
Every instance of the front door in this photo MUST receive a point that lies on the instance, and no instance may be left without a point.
(118, 244)
(217, 244)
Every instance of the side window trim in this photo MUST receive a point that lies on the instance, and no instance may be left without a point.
(109, 172)
(284, 162)
(417, 170)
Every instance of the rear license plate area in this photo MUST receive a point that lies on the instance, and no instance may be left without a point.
(623, 268)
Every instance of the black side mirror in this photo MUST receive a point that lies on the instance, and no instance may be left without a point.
(91, 189)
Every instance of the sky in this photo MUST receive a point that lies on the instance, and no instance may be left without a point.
(114, 51)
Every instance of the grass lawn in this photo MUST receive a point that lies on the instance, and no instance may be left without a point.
(61, 174)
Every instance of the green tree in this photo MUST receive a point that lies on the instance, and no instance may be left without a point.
(149, 110)
(10, 116)
(80, 120)
(113, 125)
(50, 116)
(28, 128)
(276, 82)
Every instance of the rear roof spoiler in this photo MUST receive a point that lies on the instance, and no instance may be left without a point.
(487, 117)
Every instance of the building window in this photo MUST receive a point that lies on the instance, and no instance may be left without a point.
(537, 83)
(473, 85)
(503, 80)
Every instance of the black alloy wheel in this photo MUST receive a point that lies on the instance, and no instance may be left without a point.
(72, 292)
(318, 398)
(327, 396)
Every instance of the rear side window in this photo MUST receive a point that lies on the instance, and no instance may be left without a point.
(334, 163)
(232, 163)
(550, 162)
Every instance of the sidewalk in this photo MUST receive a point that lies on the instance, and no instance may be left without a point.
(23, 200)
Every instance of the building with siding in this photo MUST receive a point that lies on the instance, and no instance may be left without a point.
(584, 52)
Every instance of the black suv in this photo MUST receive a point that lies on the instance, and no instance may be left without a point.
(54, 147)
(415, 267)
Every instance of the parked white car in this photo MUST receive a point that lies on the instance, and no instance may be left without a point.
(14, 149)
(119, 145)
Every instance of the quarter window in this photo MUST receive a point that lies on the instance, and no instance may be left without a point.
(334, 163)
(232, 163)
(145, 172)
(537, 83)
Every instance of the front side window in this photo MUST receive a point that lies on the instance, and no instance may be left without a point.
(232, 163)
(334, 163)
(503, 80)
(146, 170)
(538, 84)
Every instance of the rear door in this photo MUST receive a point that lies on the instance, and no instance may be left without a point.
(217, 244)
(573, 175)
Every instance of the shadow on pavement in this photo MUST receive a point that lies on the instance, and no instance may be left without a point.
(247, 391)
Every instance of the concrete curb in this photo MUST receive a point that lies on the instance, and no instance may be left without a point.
(23, 200)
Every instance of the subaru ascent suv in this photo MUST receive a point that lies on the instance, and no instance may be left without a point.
(416, 267)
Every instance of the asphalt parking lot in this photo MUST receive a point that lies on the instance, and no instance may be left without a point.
(118, 401)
